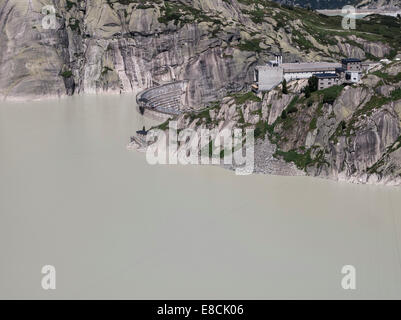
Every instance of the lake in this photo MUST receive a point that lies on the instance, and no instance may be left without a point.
(72, 196)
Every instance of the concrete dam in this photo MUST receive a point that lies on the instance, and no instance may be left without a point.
(167, 98)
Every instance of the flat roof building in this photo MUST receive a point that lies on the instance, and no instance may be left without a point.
(329, 73)
(327, 80)
(268, 77)
(351, 60)
(352, 64)
(305, 70)
(310, 66)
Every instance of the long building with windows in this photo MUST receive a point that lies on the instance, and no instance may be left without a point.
(327, 80)
(305, 70)
(269, 76)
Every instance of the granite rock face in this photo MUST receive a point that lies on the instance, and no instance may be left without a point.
(99, 46)
(349, 134)
(117, 46)
(104, 46)
(338, 4)
(30, 61)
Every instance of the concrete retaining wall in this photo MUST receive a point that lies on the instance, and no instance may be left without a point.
(167, 98)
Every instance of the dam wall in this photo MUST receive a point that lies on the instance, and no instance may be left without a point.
(167, 98)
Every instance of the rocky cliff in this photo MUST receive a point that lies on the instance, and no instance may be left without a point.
(338, 4)
(375, 4)
(65, 47)
(350, 133)
(118, 46)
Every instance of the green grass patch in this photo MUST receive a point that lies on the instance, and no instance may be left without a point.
(242, 98)
(66, 74)
(251, 45)
(313, 124)
(331, 94)
(302, 160)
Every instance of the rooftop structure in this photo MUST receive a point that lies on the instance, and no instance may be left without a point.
(310, 67)
(352, 64)
(305, 70)
(275, 63)
(326, 75)
(350, 60)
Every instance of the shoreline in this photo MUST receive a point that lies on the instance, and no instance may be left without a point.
(45, 97)
(267, 165)
(261, 167)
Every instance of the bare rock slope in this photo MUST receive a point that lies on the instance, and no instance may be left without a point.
(126, 45)
(350, 133)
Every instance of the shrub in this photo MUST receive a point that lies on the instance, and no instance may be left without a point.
(307, 93)
(313, 83)
(331, 94)
(313, 124)
(66, 74)
(285, 90)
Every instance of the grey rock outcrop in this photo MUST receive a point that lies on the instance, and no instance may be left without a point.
(99, 46)
(30, 60)
(124, 46)
(356, 137)
(103, 46)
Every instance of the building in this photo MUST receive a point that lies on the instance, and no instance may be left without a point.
(269, 76)
(278, 61)
(352, 64)
(327, 80)
(352, 76)
(353, 70)
(341, 74)
(305, 70)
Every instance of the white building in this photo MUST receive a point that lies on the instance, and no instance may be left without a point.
(352, 76)
(305, 70)
(327, 80)
(269, 76)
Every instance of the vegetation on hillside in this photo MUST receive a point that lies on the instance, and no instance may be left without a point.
(302, 26)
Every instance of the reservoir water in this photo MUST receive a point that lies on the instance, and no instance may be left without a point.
(73, 197)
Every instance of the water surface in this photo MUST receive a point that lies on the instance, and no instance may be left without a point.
(72, 196)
